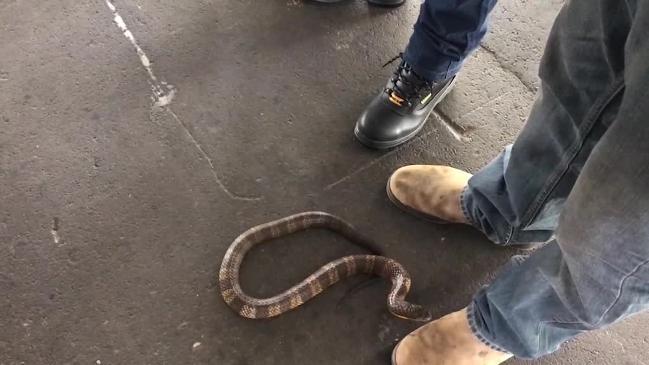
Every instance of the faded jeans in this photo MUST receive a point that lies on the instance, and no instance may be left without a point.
(578, 177)
(445, 34)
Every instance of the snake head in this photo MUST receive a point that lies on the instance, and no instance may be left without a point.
(423, 315)
(412, 312)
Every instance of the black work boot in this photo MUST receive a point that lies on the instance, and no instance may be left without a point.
(400, 111)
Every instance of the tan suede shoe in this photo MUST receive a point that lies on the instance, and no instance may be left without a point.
(446, 341)
(430, 192)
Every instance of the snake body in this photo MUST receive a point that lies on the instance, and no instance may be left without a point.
(327, 275)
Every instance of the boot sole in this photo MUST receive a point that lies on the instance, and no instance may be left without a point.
(382, 4)
(384, 145)
(373, 2)
(394, 353)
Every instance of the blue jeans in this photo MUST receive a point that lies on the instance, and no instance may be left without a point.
(576, 176)
(446, 32)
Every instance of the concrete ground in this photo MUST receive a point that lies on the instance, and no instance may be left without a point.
(138, 138)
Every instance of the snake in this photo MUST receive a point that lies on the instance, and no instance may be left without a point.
(372, 264)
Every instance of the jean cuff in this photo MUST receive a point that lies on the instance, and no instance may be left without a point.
(444, 71)
(465, 209)
(475, 329)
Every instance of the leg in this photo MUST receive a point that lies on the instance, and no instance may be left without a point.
(582, 79)
(596, 271)
(517, 198)
(445, 34)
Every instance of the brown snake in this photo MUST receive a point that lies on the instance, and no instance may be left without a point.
(327, 275)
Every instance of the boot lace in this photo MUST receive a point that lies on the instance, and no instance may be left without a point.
(405, 84)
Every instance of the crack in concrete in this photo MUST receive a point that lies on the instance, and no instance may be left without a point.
(457, 131)
(207, 158)
(482, 106)
(509, 69)
(362, 168)
(373, 162)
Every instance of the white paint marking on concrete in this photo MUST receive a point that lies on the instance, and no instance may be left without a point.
(341, 46)
(163, 93)
(56, 237)
(294, 3)
(55, 231)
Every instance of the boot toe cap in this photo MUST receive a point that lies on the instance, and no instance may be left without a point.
(376, 124)
(382, 127)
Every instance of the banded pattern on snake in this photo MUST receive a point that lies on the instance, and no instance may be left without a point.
(327, 275)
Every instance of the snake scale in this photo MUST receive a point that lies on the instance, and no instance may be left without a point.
(327, 275)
